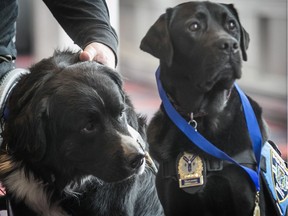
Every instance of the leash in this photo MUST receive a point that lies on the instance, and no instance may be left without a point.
(206, 146)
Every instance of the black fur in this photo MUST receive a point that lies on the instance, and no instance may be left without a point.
(67, 140)
(199, 45)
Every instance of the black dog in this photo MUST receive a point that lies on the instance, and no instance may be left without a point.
(67, 146)
(200, 45)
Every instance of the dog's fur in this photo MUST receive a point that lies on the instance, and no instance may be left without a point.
(200, 46)
(66, 148)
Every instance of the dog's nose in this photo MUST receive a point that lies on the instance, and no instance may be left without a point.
(228, 45)
(136, 160)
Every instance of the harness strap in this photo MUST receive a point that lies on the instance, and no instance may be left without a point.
(7, 83)
(168, 169)
(5, 206)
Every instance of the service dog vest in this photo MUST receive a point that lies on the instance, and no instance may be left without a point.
(275, 173)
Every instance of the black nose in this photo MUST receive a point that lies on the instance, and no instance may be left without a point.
(228, 45)
(136, 160)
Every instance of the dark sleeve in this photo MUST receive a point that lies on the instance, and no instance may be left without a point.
(85, 21)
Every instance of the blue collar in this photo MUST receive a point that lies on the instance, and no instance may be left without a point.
(202, 143)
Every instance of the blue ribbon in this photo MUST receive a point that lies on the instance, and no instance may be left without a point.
(202, 143)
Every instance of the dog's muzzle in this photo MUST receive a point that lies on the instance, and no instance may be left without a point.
(141, 143)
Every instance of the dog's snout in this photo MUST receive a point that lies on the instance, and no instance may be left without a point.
(136, 160)
(228, 45)
(133, 152)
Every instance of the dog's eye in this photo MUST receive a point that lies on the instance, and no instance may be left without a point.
(231, 25)
(194, 26)
(90, 126)
(121, 114)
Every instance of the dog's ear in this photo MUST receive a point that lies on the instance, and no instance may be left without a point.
(116, 77)
(157, 40)
(38, 149)
(245, 39)
(27, 137)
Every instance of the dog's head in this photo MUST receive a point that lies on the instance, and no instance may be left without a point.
(199, 45)
(71, 120)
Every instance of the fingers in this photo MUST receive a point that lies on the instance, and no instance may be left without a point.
(85, 56)
(100, 53)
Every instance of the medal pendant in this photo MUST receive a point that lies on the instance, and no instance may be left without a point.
(256, 208)
(190, 169)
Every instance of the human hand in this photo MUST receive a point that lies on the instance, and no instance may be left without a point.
(98, 52)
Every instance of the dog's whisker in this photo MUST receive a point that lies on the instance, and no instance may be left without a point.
(99, 181)
(150, 163)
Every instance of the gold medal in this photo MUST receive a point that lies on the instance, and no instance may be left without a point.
(191, 169)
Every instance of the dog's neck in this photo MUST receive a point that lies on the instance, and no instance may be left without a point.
(199, 114)
(23, 185)
(173, 69)
(184, 113)
(196, 119)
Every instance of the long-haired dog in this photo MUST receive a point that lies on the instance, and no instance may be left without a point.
(70, 144)
(200, 46)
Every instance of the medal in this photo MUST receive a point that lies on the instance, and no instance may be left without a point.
(256, 211)
(191, 170)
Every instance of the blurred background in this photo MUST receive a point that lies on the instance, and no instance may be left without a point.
(264, 75)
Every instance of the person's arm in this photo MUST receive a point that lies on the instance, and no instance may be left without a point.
(87, 21)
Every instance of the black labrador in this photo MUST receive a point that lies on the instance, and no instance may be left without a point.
(71, 144)
(201, 46)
